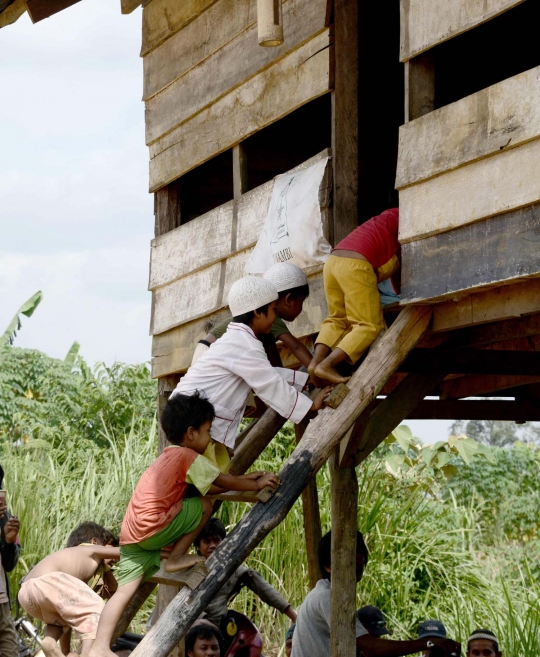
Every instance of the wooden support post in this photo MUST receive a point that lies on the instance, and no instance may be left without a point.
(345, 118)
(370, 431)
(312, 518)
(319, 441)
(240, 185)
(167, 209)
(419, 86)
(343, 582)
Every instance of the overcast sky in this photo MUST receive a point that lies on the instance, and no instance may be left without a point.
(76, 217)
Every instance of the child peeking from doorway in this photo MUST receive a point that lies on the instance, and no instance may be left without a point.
(367, 256)
(237, 364)
(59, 590)
(159, 515)
(293, 289)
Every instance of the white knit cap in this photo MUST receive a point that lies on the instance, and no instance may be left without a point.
(285, 276)
(250, 293)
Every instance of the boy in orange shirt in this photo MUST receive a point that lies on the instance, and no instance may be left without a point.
(159, 514)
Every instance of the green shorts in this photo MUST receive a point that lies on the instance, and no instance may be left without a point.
(143, 558)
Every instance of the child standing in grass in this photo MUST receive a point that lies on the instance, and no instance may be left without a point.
(367, 256)
(293, 289)
(56, 590)
(237, 364)
(159, 515)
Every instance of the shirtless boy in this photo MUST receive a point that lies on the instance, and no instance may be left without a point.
(159, 514)
(56, 590)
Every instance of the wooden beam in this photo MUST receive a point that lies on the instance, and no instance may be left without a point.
(497, 332)
(319, 441)
(128, 6)
(256, 442)
(472, 409)
(245, 496)
(430, 270)
(472, 361)
(240, 184)
(167, 209)
(12, 13)
(345, 118)
(191, 577)
(40, 9)
(381, 419)
(505, 302)
(419, 87)
(343, 583)
(312, 518)
(471, 386)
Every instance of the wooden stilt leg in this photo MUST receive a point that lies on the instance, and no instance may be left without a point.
(343, 586)
(312, 519)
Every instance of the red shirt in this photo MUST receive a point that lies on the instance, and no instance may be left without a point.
(376, 240)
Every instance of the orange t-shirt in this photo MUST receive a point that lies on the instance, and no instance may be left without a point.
(158, 496)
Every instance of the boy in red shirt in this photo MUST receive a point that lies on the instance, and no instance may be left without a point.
(159, 514)
(367, 256)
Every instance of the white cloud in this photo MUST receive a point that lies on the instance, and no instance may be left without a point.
(76, 218)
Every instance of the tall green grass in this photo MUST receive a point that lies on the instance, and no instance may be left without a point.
(429, 555)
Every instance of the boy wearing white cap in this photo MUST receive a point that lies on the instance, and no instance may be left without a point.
(238, 364)
(292, 286)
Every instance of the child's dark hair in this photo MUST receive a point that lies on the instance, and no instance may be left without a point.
(247, 318)
(214, 527)
(324, 552)
(184, 411)
(202, 631)
(86, 531)
(295, 292)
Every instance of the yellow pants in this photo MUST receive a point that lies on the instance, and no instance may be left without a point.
(218, 455)
(355, 315)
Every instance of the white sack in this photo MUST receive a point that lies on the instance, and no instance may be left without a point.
(293, 230)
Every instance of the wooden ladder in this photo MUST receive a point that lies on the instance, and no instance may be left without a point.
(345, 424)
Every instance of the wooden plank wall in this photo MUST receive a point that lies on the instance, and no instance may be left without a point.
(204, 66)
(190, 286)
(469, 181)
(425, 23)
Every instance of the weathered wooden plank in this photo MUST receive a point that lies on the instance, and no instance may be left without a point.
(425, 23)
(163, 18)
(479, 190)
(12, 13)
(492, 335)
(41, 9)
(344, 484)
(345, 118)
(190, 247)
(469, 409)
(182, 300)
(223, 41)
(498, 304)
(227, 68)
(191, 577)
(321, 438)
(128, 6)
(481, 384)
(503, 249)
(383, 418)
(499, 117)
(167, 209)
(292, 81)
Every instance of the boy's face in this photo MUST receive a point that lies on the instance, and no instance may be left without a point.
(482, 648)
(198, 439)
(205, 648)
(263, 323)
(288, 647)
(288, 308)
(208, 545)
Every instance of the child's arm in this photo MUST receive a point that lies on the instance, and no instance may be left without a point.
(247, 482)
(105, 552)
(110, 585)
(296, 347)
(210, 338)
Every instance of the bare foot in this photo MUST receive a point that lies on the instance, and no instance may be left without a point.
(51, 648)
(330, 374)
(182, 562)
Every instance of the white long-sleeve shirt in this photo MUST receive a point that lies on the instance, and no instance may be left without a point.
(232, 367)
